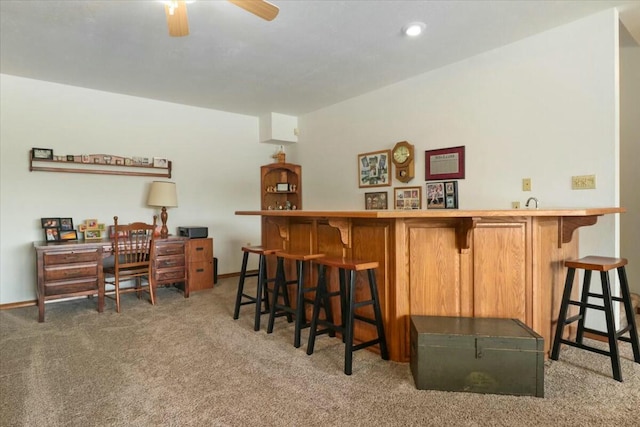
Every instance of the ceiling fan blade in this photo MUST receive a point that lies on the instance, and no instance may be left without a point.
(261, 8)
(177, 18)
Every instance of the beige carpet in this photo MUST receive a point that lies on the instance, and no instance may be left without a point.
(186, 362)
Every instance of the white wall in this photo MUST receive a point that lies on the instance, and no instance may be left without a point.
(629, 155)
(544, 108)
(216, 166)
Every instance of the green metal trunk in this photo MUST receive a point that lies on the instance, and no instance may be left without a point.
(480, 355)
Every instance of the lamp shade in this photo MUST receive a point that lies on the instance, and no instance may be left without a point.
(163, 194)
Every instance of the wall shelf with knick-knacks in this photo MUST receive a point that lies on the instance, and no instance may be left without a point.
(281, 186)
(43, 160)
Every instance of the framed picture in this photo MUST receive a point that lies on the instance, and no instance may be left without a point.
(435, 195)
(159, 162)
(82, 227)
(373, 169)
(52, 234)
(70, 158)
(91, 223)
(94, 234)
(112, 232)
(86, 158)
(50, 222)
(66, 224)
(42, 153)
(376, 201)
(68, 235)
(407, 197)
(445, 163)
(282, 186)
(451, 195)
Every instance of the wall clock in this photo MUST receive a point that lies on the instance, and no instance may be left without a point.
(403, 158)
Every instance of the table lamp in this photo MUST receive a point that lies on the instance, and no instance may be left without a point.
(163, 194)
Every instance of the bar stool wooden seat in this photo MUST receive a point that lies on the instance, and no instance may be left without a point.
(281, 289)
(261, 296)
(603, 265)
(348, 306)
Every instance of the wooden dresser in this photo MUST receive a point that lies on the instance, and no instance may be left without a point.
(200, 263)
(74, 268)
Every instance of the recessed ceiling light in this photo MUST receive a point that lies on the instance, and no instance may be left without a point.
(414, 29)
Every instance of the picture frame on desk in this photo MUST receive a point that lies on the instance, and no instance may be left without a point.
(93, 234)
(50, 222)
(112, 232)
(52, 234)
(68, 235)
(66, 224)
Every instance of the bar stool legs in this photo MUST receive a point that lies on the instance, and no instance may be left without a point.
(603, 265)
(281, 289)
(348, 306)
(261, 296)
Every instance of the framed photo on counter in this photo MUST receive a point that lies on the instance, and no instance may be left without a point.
(376, 201)
(407, 197)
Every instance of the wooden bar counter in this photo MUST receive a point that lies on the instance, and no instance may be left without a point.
(468, 263)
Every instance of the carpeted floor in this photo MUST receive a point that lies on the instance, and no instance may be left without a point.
(186, 362)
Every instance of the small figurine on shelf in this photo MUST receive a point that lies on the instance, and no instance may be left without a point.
(280, 156)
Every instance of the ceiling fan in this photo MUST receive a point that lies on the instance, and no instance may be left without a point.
(179, 24)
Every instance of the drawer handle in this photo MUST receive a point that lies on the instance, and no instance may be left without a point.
(199, 249)
(200, 270)
(170, 262)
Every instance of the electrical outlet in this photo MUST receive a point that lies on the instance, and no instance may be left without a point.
(515, 205)
(583, 182)
(526, 184)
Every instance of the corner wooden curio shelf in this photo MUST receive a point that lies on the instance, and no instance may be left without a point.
(99, 168)
(281, 186)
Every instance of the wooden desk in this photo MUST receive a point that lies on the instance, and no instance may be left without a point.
(74, 268)
(466, 263)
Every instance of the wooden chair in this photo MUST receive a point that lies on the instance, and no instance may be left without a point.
(133, 247)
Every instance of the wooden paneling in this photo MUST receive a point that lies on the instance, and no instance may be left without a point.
(509, 264)
(500, 271)
(434, 270)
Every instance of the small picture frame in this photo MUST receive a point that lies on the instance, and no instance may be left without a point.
(91, 224)
(50, 222)
(86, 158)
(52, 234)
(68, 235)
(93, 234)
(451, 195)
(127, 161)
(373, 169)
(282, 186)
(66, 224)
(112, 232)
(436, 198)
(407, 197)
(71, 158)
(376, 200)
(101, 227)
(42, 153)
(435, 195)
(160, 162)
(82, 227)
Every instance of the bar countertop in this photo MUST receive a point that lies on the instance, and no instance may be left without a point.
(438, 213)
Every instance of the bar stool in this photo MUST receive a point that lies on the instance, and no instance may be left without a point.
(603, 265)
(281, 288)
(348, 306)
(261, 294)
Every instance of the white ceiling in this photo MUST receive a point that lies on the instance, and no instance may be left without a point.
(314, 54)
